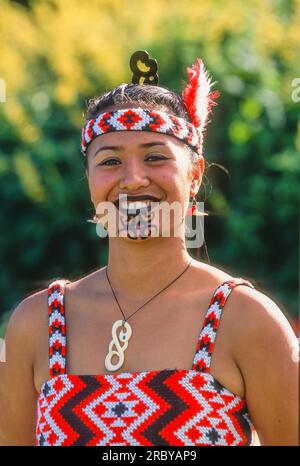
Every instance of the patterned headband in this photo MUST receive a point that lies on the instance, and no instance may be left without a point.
(139, 119)
(197, 99)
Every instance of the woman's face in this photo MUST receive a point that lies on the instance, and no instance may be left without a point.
(141, 163)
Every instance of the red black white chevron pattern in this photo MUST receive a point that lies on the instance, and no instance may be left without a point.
(138, 119)
(57, 328)
(208, 334)
(168, 407)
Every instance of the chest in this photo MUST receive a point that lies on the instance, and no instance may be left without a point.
(165, 335)
(159, 332)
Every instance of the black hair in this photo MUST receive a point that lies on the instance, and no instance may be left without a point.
(143, 95)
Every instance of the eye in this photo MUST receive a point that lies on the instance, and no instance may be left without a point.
(156, 157)
(109, 160)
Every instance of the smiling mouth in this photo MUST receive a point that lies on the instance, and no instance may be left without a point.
(134, 204)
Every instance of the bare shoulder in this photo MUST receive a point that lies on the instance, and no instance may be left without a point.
(87, 283)
(26, 326)
(208, 276)
(258, 318)
(17, 390)
(251, 313)
(27, 318)
(266, 351)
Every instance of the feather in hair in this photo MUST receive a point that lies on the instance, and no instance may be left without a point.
(197, 95)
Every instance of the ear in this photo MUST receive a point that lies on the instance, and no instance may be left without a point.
(196, 176)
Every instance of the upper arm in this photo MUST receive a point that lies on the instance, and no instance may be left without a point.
(268, 356)
(18, 396)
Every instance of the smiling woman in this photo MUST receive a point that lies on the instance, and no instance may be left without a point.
(151, 109)
(162, 349)
(166, 163)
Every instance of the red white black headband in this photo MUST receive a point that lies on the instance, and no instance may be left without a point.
(197, 97)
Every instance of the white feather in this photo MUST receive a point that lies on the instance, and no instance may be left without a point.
(202, 96)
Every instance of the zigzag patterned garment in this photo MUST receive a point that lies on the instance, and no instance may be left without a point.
(151, 408)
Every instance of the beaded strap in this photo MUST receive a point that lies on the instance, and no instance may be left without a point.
(57, 327)
(206, 342)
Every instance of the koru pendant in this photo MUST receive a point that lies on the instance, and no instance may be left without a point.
(119, 352)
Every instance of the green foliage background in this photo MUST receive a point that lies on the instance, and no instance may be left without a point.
(55, 55)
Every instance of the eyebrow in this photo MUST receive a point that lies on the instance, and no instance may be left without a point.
(118, 148)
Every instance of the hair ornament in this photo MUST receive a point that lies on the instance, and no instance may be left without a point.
(197, 95)
(197, 99)
(144, 68)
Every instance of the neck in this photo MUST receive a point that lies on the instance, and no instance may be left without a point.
(137, 271)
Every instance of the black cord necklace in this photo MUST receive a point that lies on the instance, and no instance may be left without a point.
(125, 335)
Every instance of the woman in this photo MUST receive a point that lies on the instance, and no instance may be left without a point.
(141, 332)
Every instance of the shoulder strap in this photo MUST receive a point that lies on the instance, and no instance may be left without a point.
(205, 346)
(57, 327)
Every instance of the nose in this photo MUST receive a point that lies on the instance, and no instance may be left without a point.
(134, 176)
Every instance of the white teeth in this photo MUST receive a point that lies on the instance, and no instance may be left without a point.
(135, 204)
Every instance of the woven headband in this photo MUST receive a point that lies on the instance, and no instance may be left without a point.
(197, 98)
(139, 119)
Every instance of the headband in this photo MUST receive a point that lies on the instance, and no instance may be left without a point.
(197, 98)
(139, 119)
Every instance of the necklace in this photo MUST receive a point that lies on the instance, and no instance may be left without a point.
(126, 330)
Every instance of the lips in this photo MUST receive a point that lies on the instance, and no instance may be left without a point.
(135, 202)
(130, 207)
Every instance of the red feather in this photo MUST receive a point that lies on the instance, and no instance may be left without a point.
(197, 95)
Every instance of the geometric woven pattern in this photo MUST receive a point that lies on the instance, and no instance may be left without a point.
(174, 407)
(208, 334)
(57, 328)
(139, 119)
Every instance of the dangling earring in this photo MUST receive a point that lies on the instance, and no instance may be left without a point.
(100, 228)
(94, 219)
(193, 210)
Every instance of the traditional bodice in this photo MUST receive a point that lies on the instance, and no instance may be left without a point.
(158, 407)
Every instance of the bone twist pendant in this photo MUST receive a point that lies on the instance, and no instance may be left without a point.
(119, 352)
